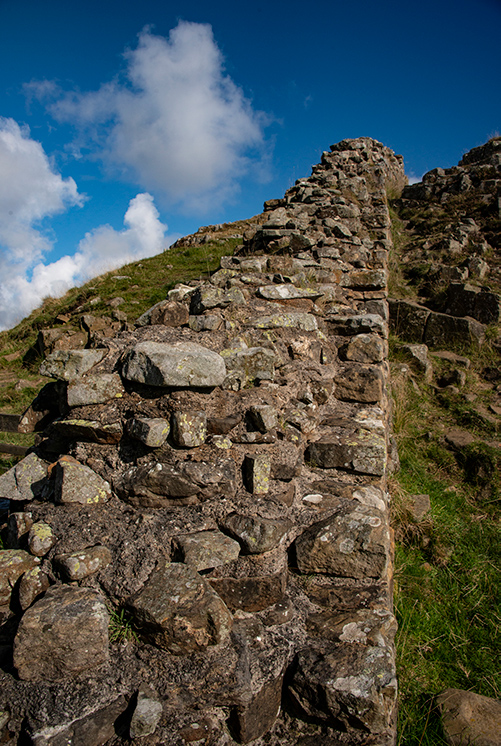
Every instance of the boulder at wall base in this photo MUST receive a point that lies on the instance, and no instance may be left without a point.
(179, 611)
(349, 685)
(353, 542)
(63, 634)
(184, 364)
(470, 719)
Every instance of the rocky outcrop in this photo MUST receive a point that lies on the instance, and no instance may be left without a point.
(213, 544)
(452, 220)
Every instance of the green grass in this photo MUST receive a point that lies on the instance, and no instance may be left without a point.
(121, 628)
(448, 593)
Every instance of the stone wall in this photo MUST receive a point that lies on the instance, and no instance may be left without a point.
(200, 549)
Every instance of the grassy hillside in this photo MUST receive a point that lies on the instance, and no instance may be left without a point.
(447, 564)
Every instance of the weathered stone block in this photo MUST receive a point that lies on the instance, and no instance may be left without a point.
(362, 451)
(152, 431)
(94, 389)
(408, 319)
(183, 364)
(41, 539)
(264, 417)
(189, 429)
(357, 324)
(13, 563)
(305, 321)
(207, 297)
(287, 292)
(33, 584)
(354, 542)
(24, 481)
(249, 366)
(206, 323)
(365, 279)
(469, 718)
(256, 534)
(364, 348)
(252, 582)
(179, 611)
(349, 683)
(63, 634)
(76, 483)
(451, 331)
(358, 382)
(69, 364)
(81, 564)
(207, 549)
(147, 714)
(257, 469)
(254, 719)
(90, 430)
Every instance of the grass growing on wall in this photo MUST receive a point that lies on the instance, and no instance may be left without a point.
(448, 590)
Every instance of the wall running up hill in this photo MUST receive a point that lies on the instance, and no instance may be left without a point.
(200, 546)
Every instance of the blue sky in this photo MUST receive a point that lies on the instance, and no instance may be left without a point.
(126, 124)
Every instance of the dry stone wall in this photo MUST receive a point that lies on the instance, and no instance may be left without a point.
(199, 548)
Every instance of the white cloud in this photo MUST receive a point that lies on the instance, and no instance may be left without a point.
(413, 179)
(101, 250)
(30, 190)
(179, 126)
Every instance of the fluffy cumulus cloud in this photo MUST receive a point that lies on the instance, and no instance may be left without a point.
(177, 125)
(31, 191)
(99, 251)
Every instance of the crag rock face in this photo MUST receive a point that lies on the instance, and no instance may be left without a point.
(451, 256)
(213, 493)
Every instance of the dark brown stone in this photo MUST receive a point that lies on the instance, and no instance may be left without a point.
(63, 634)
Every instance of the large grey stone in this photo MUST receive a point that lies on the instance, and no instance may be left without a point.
(250, 365)
(90, 430)
(70, 364)
(305, 321)
(179, 611)
(353, 542)
(94, 389)
(76, 483)
(24, 481)
(63, 634)
(357, 324)
(205, 298)
(183, 364)
(147, 714)
(287, 291)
